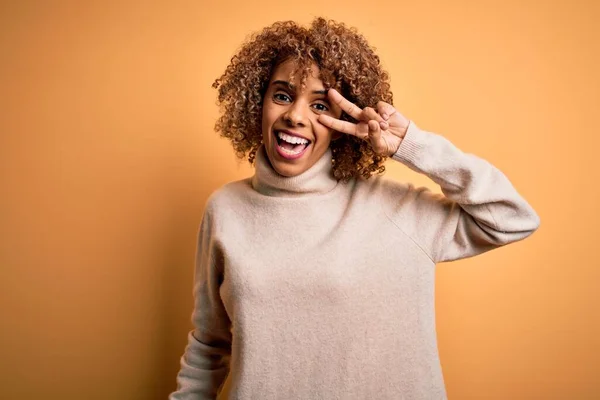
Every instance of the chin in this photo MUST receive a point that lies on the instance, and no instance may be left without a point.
(286, 169)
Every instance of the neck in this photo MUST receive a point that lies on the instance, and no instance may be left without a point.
(318, 179)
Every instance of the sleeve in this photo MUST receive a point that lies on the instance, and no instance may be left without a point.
(205, 362)
(478, 211)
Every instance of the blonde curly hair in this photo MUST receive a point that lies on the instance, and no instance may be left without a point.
(346, 62)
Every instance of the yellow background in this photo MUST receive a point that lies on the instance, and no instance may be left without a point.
(107, 155)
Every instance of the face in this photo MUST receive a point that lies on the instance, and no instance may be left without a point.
(294, 139)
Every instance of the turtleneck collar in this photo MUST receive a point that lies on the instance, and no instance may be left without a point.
(317, 179)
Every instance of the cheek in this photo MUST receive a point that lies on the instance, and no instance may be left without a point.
(323, 132)
(269, 116)
(265, 120)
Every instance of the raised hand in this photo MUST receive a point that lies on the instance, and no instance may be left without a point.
(384, 128)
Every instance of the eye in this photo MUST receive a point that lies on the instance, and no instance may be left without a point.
(282, 97)
(321, 107)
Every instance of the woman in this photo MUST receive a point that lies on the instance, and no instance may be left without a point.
(315, 279)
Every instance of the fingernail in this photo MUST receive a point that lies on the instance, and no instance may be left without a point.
(384, 125)
(385, 116)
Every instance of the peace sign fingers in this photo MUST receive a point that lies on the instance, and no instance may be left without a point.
(365, 115)
(384, 128)
(348, 107)
(359, 130)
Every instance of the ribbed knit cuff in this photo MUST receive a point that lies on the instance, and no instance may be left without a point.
(411, 147)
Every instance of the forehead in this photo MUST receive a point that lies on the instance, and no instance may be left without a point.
(288, 71)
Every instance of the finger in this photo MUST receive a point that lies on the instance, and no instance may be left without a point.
(375, 136)
(338, 125)
(385, 109)
(369, 114)
(362, 130)
(374, 130)
(349, 108)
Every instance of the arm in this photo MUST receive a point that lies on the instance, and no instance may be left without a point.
(481, 209)
(205, 363)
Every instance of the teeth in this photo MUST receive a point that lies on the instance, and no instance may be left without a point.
(291, 152)
(291, 139)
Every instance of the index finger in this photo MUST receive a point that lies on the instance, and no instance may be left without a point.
(339, 125)
(349, 108)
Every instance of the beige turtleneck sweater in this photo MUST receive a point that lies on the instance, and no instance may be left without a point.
(309, 288)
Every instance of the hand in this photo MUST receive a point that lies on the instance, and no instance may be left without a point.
(384, 128)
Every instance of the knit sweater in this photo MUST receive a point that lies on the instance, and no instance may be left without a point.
(310, 288)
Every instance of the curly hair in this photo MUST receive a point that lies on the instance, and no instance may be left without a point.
(346, 63)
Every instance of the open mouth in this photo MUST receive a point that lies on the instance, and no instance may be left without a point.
(291, 146)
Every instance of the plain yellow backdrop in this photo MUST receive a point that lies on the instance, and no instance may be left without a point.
(107, 154)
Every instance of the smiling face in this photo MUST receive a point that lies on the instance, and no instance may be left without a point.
(294, 139)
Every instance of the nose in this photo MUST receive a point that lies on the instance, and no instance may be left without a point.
(294, 115)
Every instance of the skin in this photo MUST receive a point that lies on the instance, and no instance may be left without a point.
(286, 106)
(384, 127)
(314, 113)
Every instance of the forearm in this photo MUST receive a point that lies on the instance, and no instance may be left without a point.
(492, 213)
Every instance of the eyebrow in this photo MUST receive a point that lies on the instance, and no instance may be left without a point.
(292, 87)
